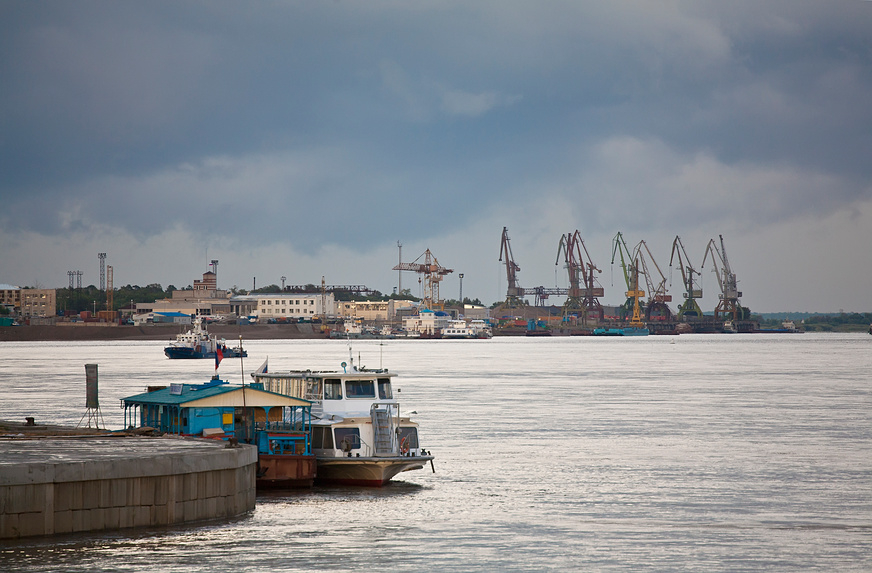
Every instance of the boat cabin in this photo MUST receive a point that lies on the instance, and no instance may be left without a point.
(354, 412)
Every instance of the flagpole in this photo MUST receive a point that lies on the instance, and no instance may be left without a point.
(241, 358)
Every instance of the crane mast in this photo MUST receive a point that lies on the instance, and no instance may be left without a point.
(630, 266)
(656, 307)
(514, 293)
(581, 271)
(690, 307)
(728, 303)
(432, 273)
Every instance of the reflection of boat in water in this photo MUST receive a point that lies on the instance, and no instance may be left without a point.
(359, 436)
(198, 343)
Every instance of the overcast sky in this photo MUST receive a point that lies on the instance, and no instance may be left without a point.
(304, 139)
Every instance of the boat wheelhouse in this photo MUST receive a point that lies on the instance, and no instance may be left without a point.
(359, 435)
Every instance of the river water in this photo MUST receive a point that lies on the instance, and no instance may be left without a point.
(688, 453)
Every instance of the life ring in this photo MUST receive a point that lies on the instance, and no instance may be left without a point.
(404, 445)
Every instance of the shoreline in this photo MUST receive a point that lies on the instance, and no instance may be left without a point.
(101, 331)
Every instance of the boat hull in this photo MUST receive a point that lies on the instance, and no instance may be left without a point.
(184, 352)
(285, 471)
(373, 472)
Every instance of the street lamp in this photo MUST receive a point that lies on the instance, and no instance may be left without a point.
(461, 291)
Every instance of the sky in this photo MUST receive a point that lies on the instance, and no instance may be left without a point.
(306, 139)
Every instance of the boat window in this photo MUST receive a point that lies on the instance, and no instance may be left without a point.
(347, 438)
(359, 389)
(322, 437)
(411, 436)
(384, 389)
(332, 389)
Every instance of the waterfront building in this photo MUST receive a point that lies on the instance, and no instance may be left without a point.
(294, 306)
(204, 299)
(38, 302)
(10, 297)
(373, 310)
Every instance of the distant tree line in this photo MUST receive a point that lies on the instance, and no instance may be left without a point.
(841, 322)
(92, 298)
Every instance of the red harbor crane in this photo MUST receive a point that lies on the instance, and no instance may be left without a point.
(656, 307)
(583, 292)
(432, 274)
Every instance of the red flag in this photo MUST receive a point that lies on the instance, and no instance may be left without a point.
(219, 356)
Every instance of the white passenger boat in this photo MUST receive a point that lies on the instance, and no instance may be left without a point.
(461, 329)
(359, 435)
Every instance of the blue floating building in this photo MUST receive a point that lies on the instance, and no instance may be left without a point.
(279, 425)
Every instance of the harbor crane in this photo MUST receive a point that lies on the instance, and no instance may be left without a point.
(689, 308)
(656, 307)
(514, 293)
(728, 303)
(630, 266)
(432, 274)
(581, 272)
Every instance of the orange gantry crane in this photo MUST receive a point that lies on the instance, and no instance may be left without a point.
(432, 274)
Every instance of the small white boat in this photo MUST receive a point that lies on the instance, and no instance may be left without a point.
(359, 436)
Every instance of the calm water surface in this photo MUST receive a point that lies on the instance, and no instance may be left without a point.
(689, 453)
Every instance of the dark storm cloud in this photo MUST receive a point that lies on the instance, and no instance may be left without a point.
(416, 118)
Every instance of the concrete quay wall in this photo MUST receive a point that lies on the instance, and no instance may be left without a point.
(67, 485)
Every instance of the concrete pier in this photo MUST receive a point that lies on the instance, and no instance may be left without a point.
(74, 484)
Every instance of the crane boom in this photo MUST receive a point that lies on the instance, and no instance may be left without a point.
(656, 307)
(514, 293)
(690, 307)
(728, 305)
(581, 271)
(432, 272)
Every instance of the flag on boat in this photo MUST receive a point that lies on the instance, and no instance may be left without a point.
(219, 356)
(262, 369)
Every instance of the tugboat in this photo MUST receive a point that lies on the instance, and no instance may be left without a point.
(359, 436)
(198, 343)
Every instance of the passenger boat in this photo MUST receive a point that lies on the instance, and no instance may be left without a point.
(461, 329)
(198, 343)
(359, 436)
